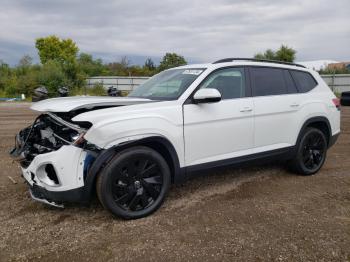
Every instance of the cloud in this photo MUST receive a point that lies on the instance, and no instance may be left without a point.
(202, 30)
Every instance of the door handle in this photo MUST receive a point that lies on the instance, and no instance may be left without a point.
(294, 104)
(246, 109)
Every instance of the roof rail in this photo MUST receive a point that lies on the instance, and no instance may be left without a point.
(225, 60)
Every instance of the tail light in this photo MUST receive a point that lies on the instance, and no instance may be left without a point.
(336, 102)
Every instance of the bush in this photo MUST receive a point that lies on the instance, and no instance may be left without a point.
(2, 93)
(97, 90)
(52, 77)
(11, 86)
(76, 91)
(26, 83)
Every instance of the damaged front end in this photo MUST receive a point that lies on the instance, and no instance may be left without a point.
(55, 158)
(48, 133)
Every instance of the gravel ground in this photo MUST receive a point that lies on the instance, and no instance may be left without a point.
(255, 213)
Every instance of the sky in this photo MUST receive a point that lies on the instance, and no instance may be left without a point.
(200, 30)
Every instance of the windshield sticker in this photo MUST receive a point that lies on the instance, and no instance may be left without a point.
(192, 72)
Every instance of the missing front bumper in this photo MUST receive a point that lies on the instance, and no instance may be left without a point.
(38, 197)
(57, 198)
(67, 168)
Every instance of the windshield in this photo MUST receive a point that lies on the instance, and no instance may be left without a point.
(167, 85)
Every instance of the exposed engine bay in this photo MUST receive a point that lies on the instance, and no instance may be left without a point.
(55, 128)
(48, 133)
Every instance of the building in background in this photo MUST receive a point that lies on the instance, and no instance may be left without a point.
(339, 65)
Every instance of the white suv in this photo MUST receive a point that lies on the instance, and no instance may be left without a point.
(182, 120)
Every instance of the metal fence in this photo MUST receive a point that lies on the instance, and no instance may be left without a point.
(123, 83)
(338, 83)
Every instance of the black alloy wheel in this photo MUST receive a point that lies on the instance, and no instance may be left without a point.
(314, 149)
(311, 152)
(134, 183)
(137, 184)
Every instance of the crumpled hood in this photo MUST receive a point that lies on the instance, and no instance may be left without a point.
(66, 104)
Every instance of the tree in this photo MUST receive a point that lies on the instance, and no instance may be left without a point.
(24, 65)
(52, 76)
(90, 66)
(149, 64)
(284, 53)
(268, 54)
(125, 61)
(62, 66)
(5, 74)
(120, 68)
(4, 68)
(61, 54)
(25, 61)
(171, 60)
(54, 48)
(27, 82)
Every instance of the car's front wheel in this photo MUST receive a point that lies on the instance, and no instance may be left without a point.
(134, 183)
(311, 152)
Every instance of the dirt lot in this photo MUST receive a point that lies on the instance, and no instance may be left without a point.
(247, 214)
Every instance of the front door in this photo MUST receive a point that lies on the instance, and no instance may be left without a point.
(224, 129)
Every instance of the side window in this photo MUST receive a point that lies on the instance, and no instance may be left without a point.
(292, 88)
(304, 81)
(267, 81)
(230, 82)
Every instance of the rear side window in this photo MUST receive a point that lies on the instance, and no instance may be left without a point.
(292, 89)
(305, 82)
(267, 81)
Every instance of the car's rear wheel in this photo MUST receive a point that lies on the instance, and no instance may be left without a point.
(311, 152)
(134, 183)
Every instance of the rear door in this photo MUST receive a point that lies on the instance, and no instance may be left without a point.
(276, 102)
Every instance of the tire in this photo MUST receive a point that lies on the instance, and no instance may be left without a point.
(134, 183)
(311, 152)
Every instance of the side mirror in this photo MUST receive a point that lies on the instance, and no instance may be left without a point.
(207, 95)
(345, 99)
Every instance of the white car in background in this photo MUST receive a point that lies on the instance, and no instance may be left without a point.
(181, 121)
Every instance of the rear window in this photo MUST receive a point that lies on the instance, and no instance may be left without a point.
(305, 82)
(268, 81)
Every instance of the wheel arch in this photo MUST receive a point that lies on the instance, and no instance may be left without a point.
(158, 143)
(319, 122)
